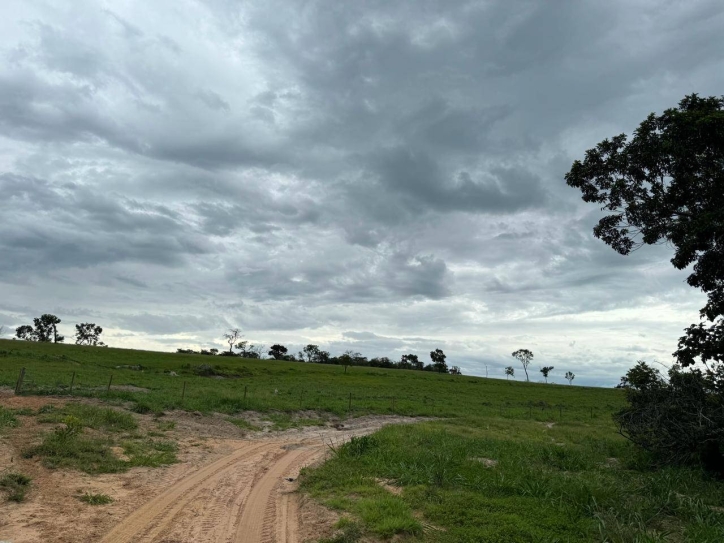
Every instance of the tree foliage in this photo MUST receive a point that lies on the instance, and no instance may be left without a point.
(667, 185)
(232, 337)
(509, 372)
(88, 333)
(570, 376)
(438, 360)
(545, 370)
(679, 420)
(524, 356)
(44, 329)
(278, 352)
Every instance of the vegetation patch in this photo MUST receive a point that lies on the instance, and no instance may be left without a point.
(285, 421)
(68, 446)
(95, 499)
(7, 418)
(90, 416)
(16, 485)
(537, 490)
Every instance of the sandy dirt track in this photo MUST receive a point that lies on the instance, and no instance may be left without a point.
(224, 489)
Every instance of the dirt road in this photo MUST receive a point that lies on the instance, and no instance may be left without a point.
(229, 486)
(244, 497)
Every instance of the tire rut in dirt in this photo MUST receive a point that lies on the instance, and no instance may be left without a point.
(148, 522)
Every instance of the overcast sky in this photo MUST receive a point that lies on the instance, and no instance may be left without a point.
(379, 176)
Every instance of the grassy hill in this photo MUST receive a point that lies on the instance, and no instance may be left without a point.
(155, 381)
(501, 462)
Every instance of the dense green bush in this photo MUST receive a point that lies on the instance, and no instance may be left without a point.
(679, 420)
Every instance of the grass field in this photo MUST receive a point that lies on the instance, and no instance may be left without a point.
(501, 462)
(285, 386)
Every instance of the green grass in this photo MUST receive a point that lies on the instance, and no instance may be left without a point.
(95, 499)
(278, 386)
(15, 485)
(7, 418)
(69, 446)
(574, 482)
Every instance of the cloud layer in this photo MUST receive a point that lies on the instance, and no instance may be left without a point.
(380, 176)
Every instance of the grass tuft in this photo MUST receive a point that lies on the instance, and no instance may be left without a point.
(15, 485)
(96, 499)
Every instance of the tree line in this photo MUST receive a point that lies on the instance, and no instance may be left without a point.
(314, 354)
(525, 357)
(45, 330)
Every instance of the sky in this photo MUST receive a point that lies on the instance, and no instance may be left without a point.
(385, 177)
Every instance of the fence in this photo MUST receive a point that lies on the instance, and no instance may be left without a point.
(189, 395)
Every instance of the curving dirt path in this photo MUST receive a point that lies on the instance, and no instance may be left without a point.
(244, 497)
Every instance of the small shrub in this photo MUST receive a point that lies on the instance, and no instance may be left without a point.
(96, 499)
(16, 485)
(7, 418)
(357, 446)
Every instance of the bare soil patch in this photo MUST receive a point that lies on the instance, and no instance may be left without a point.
(229, 485)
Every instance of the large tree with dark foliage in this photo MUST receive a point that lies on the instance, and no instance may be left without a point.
(45, 330)
(666, 184)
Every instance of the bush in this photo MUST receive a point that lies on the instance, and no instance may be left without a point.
(16, 485)
(679, 421)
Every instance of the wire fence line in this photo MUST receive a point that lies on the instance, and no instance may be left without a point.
(251, 397)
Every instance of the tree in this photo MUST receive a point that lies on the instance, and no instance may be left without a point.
(438, 360)
(570, 376)
(666, 185)
(509, 372)
(232, 337)
(26, 333)
(411, 361)
(87, 333)
(311, 352)
(679, 420)
(455, 370)
(278, 352)
(524, 356)
(45, 330)
(545, 370)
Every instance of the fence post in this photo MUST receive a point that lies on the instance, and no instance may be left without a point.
(349, 407)
(301, 398)
(19, 384)
(72, 380)
(109, 384)
(245, 392)
(183, 392)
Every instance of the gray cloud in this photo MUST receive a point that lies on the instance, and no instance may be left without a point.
(379, 176)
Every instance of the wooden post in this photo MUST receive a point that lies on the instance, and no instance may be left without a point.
(109, 383)
(183, 392)
(72, 380)
(349, 407)
(345, 369)
(244, 392)
(301, 398)
(19, 384)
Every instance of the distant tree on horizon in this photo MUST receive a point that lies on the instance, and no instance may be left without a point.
(232, 337)
(570, 376)
(45, 330)
(278, 352)
(524, 356)
(545, 370)
(88, 333)
(509, 372)
(438, 360)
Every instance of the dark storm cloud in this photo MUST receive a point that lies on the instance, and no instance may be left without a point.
(373, 175)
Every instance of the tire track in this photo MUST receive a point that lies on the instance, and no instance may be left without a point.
(266, 516)
(147, 522)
